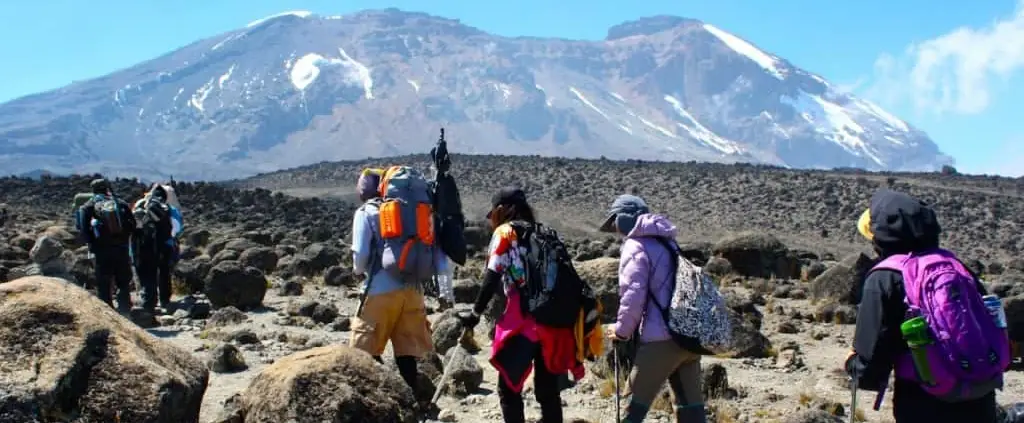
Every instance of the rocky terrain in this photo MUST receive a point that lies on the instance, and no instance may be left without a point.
(297, 88)
(265, 296)
(811, 210)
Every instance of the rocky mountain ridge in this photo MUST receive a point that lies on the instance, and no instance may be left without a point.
(297, 88)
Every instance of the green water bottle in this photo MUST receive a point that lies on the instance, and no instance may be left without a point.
(915, 332)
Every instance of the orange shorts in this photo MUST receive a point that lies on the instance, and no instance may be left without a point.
(399, 316)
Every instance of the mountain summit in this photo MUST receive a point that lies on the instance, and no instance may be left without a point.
(297, 88)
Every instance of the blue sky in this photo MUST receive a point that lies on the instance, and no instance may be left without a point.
(954, 71)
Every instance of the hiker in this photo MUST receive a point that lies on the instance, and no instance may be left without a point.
(647, 274)
(153, 246)
(3, 215)
(526, 340)
(107, 225)
(397, 260)
(899, 226)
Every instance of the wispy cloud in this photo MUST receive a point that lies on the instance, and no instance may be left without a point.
(953, 73)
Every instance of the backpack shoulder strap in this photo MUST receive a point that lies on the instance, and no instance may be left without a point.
(523, 230)
(893, 262)
(673, 253)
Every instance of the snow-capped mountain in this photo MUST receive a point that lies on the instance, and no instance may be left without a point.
(298, 88)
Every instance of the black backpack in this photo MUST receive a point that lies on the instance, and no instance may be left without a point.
(153, 220)
(554, 294)
(449, 222)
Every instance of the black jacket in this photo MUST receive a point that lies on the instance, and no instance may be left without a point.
(900, 225)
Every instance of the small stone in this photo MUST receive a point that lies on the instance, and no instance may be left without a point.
(446, 415)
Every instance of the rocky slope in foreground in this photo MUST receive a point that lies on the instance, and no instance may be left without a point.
(270, 301)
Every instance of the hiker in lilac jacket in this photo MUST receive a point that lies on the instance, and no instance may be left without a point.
(899, 224)
(647, 274)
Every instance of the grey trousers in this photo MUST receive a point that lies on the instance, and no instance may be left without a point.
(657, 362)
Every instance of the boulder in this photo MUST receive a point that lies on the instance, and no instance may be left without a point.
(70, 357)
(446, 331)
(843, 282)
(192, 273)
(333, 383)
(46, 249)
(466, 375)
(263, 258)
(226, 358)
(340, 276)
(231, 284)
(758, 255)
(603, 276)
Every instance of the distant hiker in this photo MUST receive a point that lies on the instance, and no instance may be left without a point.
(647, 278)
(550, 315)
(3, 214)
(393, 245)
(107, 224)
(154, 246)
(921, 296)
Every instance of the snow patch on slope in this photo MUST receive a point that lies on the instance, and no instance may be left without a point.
(306, 69)
(224, 78)
(658, 128)
(358, 72)
(700, 132)
(200, 95)
(586, 102)
(229, 39)
(299, 13)
(882, 115)
(833, 121)
(748, 50)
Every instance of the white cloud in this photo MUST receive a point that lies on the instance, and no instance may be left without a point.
(955, 72)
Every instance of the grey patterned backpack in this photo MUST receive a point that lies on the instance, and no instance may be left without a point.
(697, 316)
(403, 218)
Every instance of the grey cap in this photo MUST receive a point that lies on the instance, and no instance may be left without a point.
(625, 204)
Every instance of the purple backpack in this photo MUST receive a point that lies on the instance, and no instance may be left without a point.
(969, 353)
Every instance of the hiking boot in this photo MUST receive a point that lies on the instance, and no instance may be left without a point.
(427, 410)
(565, 382)
(691, 414)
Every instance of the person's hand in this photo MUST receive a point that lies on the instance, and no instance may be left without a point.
(849, 357)
(468, 318)
(609, 332)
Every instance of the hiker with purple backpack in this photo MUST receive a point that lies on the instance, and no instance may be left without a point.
(926, 317)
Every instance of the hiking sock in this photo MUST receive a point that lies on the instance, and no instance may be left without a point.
(636, 412)
(407, 368)
(690, 413)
